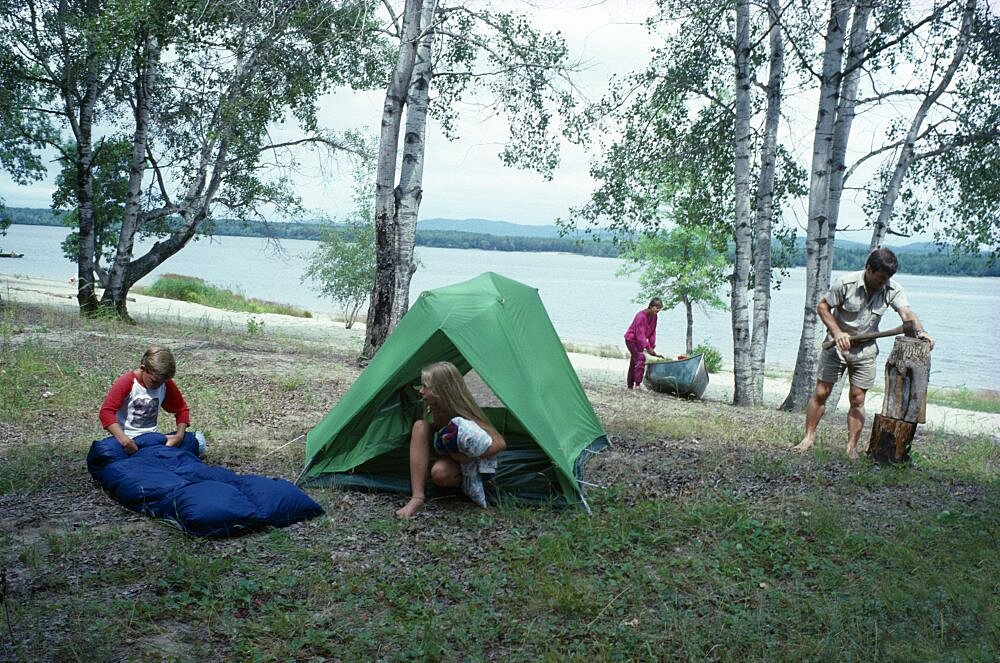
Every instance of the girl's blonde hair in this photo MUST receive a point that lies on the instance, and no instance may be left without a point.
(445, 382)
(158, 361)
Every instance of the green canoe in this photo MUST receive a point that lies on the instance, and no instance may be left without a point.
(686, 378)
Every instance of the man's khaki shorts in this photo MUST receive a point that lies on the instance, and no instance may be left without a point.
(859, 363)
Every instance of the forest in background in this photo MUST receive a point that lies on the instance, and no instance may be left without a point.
(918, 258)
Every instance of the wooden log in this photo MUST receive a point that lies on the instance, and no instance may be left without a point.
(907, 373)
(891, 439)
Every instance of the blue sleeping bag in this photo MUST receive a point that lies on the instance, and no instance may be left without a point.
(203, 500)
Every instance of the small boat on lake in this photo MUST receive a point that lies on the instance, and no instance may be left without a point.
(10, 254)
(686, 378)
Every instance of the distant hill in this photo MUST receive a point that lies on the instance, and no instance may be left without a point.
(488, 227)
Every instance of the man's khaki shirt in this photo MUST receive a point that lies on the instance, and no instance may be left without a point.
(857, 311)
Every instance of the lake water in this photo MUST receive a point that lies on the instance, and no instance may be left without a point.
(587, 301)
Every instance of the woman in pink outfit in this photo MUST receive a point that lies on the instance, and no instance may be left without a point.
(640, 339)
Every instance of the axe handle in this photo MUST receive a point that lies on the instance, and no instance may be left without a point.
(866, 337)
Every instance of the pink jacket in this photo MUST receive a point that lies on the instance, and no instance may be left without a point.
(643, 330)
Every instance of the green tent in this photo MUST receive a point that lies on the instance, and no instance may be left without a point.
(499, 328)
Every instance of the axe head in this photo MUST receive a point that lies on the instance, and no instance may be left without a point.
(909, 329)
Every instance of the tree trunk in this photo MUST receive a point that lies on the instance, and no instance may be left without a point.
(742, 388)
(379, 323)
(411, 170)
(82, 126)
(819, 190)
(765, 209)
(689, 336)
(907, 152)
(890, 440)
(116, 291)
(856, 51)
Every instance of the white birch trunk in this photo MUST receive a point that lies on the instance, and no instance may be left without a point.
(819, 189)
(411, 170)
(765, 208)
(115, 291)
(907, 151)
(742, 391)
(81, 120)
(379, 321)
(856, 53)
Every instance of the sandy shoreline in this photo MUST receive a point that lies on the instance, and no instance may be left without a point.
(609, 370)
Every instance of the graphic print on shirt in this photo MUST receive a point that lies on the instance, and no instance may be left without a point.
(143, 412)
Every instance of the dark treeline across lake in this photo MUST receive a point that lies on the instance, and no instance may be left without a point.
(586, 299)
(921, 258)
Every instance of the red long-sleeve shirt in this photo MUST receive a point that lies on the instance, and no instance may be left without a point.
(135, 407)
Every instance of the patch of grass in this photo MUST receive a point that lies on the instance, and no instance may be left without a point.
(197, 291)
(610, 351)
(979, 458)
(977, 400)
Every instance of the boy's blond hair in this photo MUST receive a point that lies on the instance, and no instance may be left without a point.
(159, 362)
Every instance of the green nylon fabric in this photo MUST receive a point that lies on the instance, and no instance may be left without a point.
(492, 324)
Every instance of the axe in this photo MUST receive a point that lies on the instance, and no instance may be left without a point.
(907, 328)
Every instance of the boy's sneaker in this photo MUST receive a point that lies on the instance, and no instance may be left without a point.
(202, 442)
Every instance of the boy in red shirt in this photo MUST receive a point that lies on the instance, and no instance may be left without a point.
(130, 409)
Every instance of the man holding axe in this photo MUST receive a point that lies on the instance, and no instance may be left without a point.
(851, 312)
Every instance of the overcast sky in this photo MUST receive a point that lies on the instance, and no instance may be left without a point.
(465, 178)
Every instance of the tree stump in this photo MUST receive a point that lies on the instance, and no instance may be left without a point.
(891, 438)
(907, 373)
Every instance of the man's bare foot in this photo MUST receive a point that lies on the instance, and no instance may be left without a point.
(852, 451)
(804, 445)
(411, 507)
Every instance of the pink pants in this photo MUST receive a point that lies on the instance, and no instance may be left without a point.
(636, 364)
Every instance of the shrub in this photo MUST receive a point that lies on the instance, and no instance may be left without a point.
(713, 358)
(197, 291)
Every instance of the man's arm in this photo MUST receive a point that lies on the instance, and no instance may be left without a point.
(840, 337)
(906, 314)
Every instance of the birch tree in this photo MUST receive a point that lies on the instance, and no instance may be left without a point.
(763, 220)
(818, 232)
(61, 60)
(109, 171)
(198, 122)
(203, 134)
(870, 58)
(445, 53)
(962, 109)
(691, 135)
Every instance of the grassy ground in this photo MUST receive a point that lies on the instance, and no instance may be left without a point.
(709, 540)
(197, 291)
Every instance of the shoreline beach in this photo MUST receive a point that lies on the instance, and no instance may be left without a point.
(590, 368)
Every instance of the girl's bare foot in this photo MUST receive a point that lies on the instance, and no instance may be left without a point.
(411, 507)
(852, 451)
